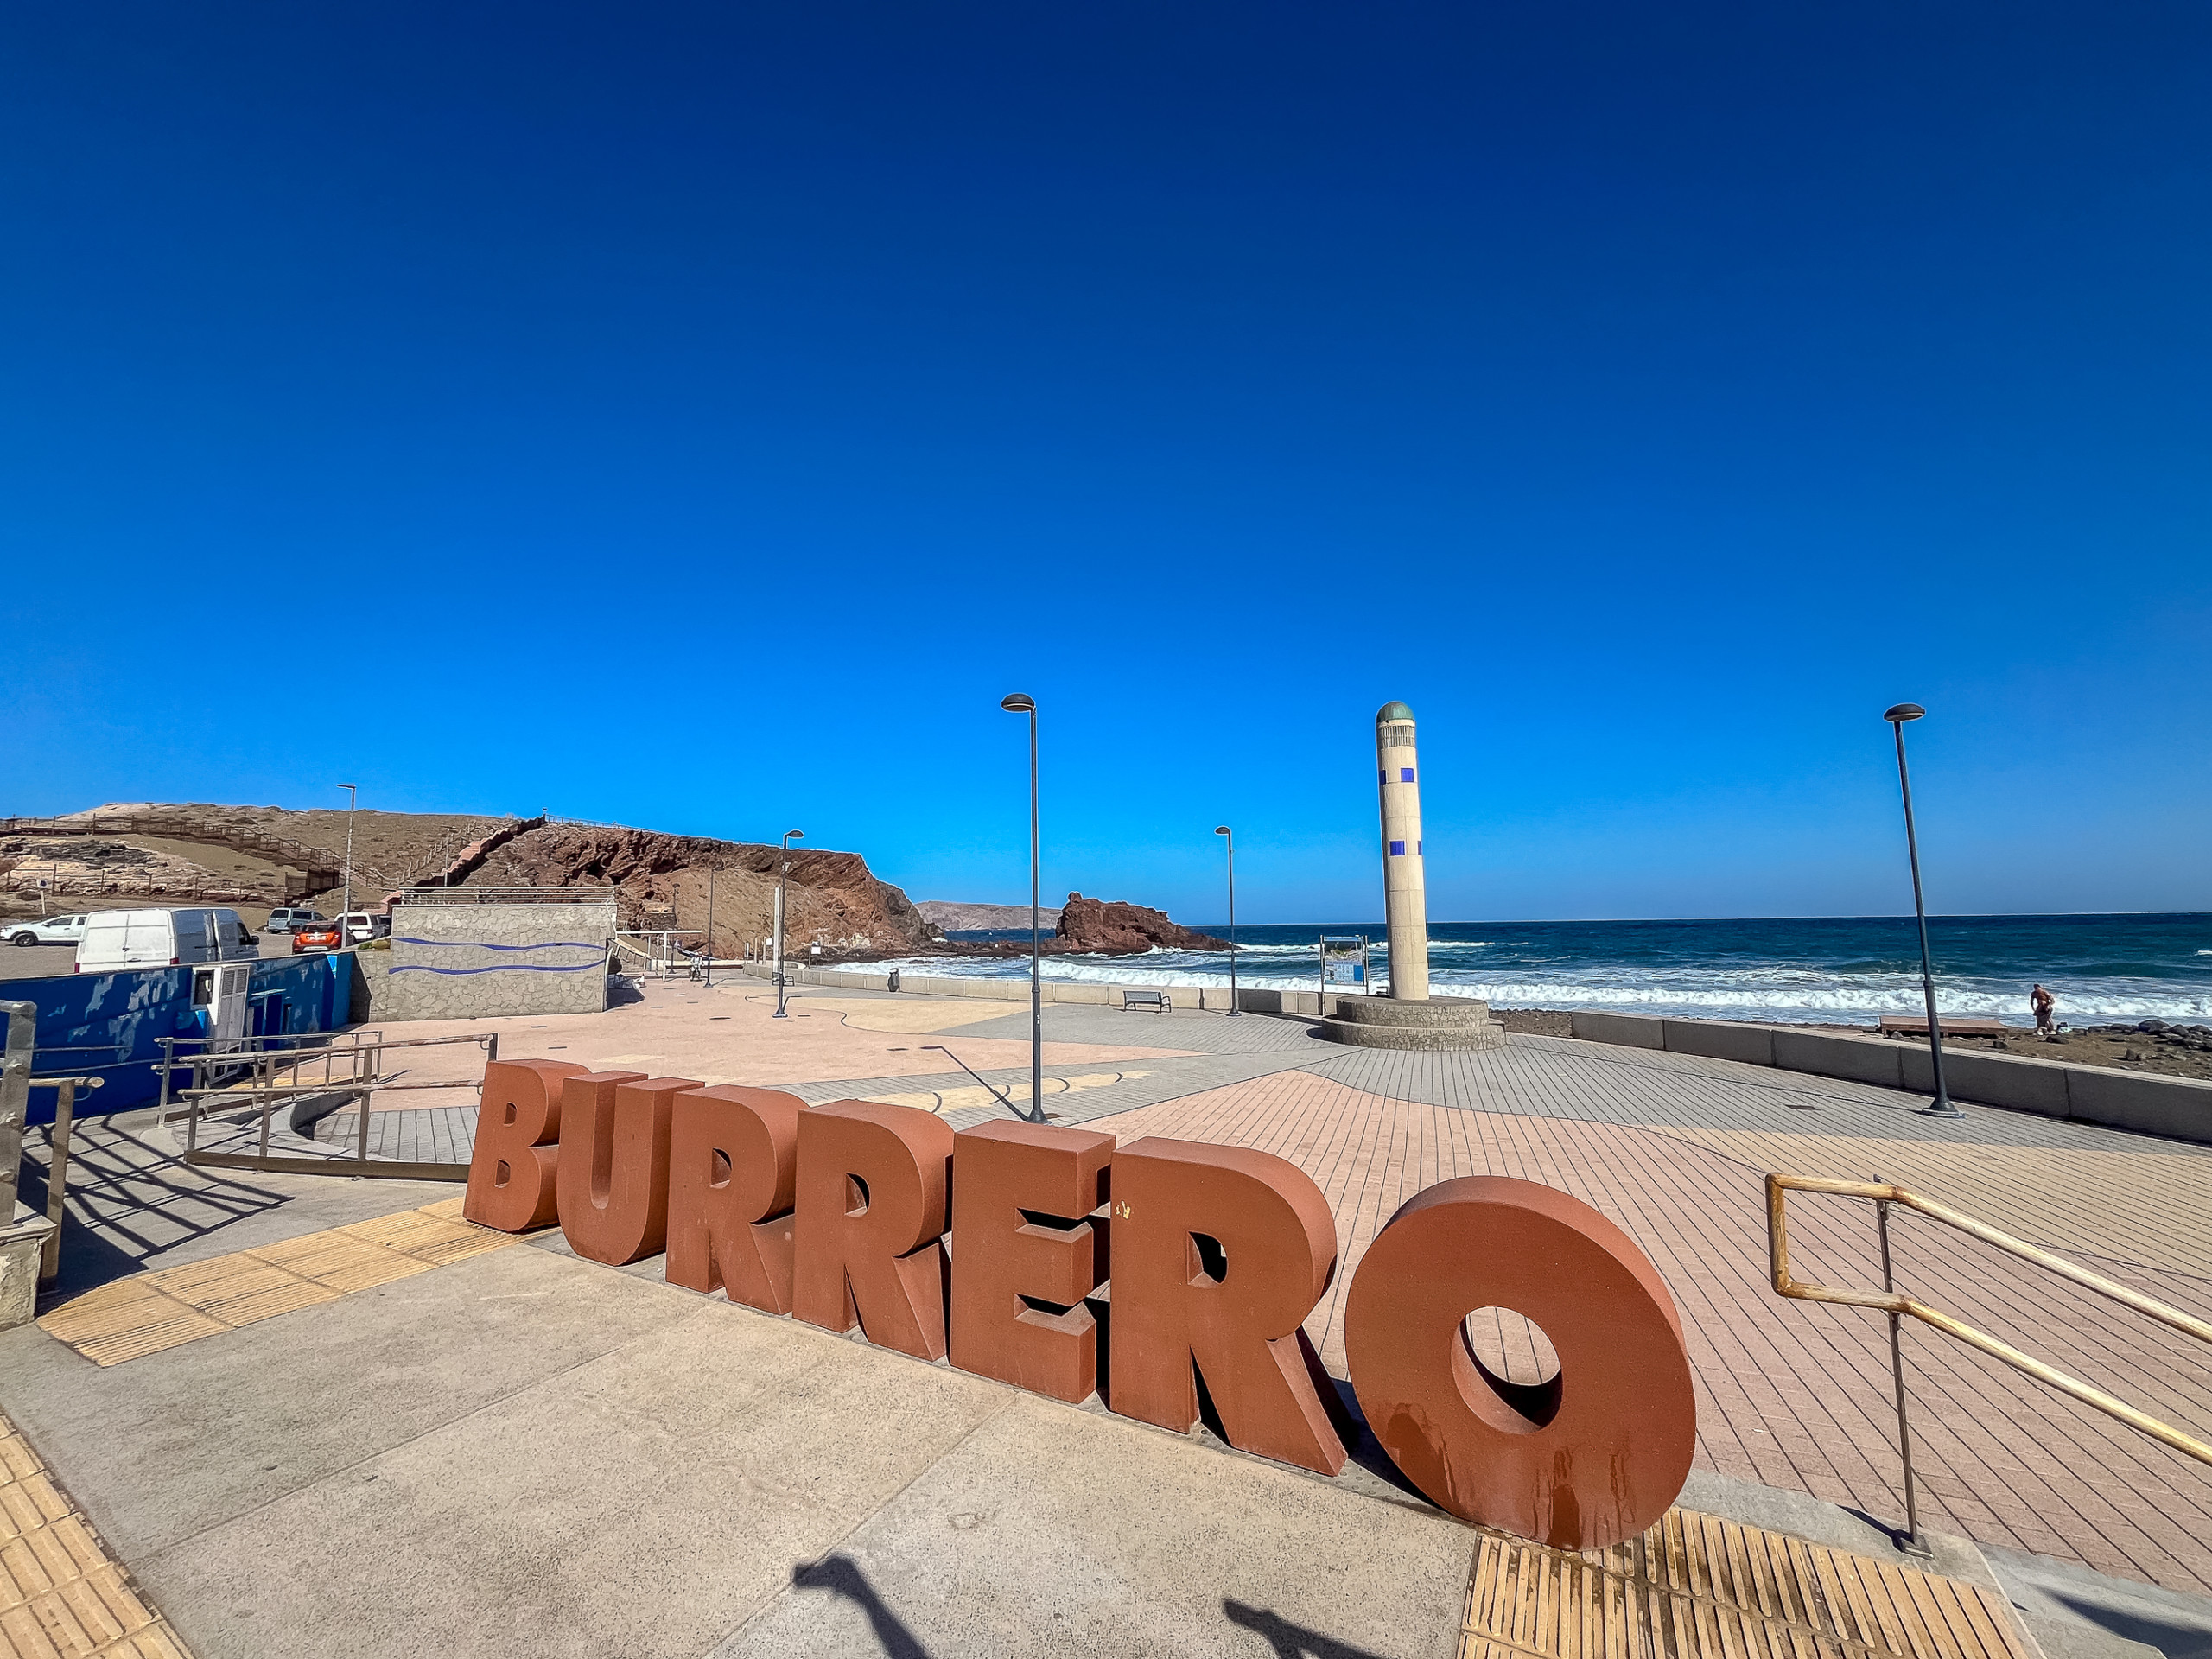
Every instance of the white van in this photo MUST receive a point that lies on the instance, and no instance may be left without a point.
(162, 939)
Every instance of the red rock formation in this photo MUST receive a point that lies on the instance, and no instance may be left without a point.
(833, 897)
(1123, 929)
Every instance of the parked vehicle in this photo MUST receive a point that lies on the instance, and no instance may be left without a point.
(162, 939)
(317, 936)
(47, 930)
(288, 919)
(362, 926)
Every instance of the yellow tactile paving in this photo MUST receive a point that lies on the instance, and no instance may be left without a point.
(149, 1311)
(61, 1595)
(1695, 1586)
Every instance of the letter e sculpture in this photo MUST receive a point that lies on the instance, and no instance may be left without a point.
(1219, 1255)
(1024, 1257)
(511, 1180)
(613, 1172)
(733, 1165)
(870, 1221)
(1591, 1457)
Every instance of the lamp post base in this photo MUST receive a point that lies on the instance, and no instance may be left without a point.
(1451, 1022)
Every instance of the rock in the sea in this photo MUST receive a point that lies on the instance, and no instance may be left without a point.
(1122, 929)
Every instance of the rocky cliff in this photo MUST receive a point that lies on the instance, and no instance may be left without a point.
(1124, 928)
(835, 901)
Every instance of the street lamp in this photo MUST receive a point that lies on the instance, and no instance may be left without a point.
(346, 908)
(1941, 1107)
(1224, 831)
(1015, 703)
(711, 868)
(783, 891)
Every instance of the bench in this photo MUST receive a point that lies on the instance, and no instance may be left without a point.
(1132, 998)
(1914, 1024)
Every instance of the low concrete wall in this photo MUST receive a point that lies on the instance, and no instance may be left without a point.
(1251, 998)
(2180, 1108)
(475, 962)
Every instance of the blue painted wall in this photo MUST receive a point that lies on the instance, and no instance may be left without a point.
(121, 1017)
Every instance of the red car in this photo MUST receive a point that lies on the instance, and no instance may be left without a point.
(315, 936)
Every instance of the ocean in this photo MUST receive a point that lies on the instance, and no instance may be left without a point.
(1829, 969)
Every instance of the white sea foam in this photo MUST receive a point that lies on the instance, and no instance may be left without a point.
(1773, 993)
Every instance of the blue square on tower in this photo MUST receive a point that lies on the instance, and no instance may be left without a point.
(1405, 774)
(1397, 849)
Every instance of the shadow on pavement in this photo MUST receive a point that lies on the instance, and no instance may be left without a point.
(1288, 1640)
(2175, 1640)
(128, 1200)
(840, 1576)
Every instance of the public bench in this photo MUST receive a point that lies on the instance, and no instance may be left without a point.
(1157, 1000)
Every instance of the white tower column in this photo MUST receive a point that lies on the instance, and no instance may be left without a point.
(1405, 888)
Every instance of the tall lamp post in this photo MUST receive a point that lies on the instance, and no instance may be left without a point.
(1941, 1107)
(1015, 703)
(346, 908)
(710, 925)
(783, 893)
(1224, 829)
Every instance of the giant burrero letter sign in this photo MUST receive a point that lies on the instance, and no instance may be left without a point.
(1028, 1255)
(872, 1183)
(1213, 1258)
(733, 1168)
(510, 1178)
(1219, 1255)
(1592, 1457)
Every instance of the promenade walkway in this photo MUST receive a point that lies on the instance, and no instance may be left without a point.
(1791, 1396)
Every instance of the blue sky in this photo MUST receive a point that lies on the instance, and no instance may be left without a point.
(698, 417)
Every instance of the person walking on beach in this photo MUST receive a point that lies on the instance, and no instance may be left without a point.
(2042, 1003)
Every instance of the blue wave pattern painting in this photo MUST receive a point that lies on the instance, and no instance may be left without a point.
(598, 958)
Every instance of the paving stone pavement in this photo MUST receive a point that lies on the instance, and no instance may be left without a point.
(1673, 1147)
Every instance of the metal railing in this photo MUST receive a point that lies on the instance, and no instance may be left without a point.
(57, 1171)
(187, 826)
(1889, 1300)
(661, 954)
(507, 895)
(352, 1065)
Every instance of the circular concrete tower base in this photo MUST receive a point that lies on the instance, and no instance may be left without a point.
(1440, 1022)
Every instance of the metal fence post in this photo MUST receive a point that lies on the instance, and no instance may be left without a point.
(1912, 1544)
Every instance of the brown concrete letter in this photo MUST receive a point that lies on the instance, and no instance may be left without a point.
(1591, 1457)
(511, 1182)
(1219, 1255)
(614, 1172)
(1024, 1257)
(733, 1164)
(870, 1218)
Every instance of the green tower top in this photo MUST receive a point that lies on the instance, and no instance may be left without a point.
(1390, 711)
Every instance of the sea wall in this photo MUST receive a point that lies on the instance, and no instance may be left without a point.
(2180, 1108)
(477, 962)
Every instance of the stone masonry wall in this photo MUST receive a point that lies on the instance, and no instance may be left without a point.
(473, 962)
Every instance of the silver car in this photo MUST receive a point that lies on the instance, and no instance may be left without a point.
(47, 930)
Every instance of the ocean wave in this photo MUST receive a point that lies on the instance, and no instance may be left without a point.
(1769, 993)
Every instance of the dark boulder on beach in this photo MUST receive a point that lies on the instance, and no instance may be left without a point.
(1115, 928)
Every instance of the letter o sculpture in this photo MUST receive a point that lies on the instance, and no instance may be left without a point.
(1616, 1433)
